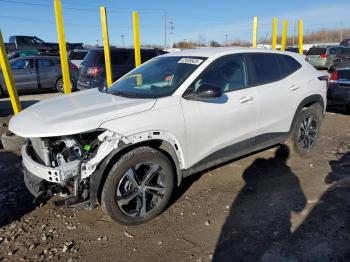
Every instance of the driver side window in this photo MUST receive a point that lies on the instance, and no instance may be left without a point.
(229, 73)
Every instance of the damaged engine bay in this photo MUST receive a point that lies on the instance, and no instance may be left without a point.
(71, 161)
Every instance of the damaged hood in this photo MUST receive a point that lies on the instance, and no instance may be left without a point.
(75, 113)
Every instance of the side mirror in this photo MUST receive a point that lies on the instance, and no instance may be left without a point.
(205, 91)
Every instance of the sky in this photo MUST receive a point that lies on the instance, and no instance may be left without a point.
(192, 19)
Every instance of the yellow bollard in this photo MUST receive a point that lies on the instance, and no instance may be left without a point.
(255, 31)
(135, 22)
(300, 44)
(10, 84)
(63, 47)
(284, 35)
(107, 52)
(274, 33)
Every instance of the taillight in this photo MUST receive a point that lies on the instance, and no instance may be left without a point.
(323, 56)
(94, 71)
(334, 76)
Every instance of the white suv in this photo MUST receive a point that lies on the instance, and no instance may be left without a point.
(127, 147)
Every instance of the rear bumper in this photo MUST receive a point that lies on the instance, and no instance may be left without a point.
(337, 94)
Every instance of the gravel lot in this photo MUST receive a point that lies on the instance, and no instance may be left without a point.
(268, 206)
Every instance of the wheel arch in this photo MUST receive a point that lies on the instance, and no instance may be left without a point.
(98, 179)
(307, 102)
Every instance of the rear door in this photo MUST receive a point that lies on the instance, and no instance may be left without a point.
(24, 74)
(279, 90)
(46, 72)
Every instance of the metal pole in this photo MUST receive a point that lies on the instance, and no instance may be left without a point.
(300, 42)
(165, 29)
(255, 31)
(135, 20)
(10, 83)
(274, 33)
(62, 47)
(123, 41)
(284, 35)
(106, 49)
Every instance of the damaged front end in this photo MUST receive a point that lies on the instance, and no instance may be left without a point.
(64, 165)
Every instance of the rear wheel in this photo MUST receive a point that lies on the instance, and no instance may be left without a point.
(306, 130)
(60, 85)
(138, 187)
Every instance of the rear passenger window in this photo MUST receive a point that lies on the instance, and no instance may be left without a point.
(119, 57)
(288, 65)
(44, 63)
(265, 68)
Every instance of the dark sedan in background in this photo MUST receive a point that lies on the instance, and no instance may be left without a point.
(38, 72)
(339, 87)
(92, 69)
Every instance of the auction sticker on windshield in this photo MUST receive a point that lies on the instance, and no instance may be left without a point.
(192, 61)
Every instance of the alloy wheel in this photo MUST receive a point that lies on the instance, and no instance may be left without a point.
(308, 132)
(141, 189)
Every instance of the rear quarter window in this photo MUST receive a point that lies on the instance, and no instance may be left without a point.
(265, 68)
(288, 65)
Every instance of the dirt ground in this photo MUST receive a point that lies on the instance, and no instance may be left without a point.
(268, 206)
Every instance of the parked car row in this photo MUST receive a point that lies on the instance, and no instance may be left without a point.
(33, 71)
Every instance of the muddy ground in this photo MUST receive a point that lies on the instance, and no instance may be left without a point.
(268, 206)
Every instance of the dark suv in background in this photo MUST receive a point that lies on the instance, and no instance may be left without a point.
(92, 69)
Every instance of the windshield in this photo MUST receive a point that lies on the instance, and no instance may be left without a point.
(159, 77)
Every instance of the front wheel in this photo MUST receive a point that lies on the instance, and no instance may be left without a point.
(138, 187)
(305, 131)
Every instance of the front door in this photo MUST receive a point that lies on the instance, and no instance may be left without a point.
(223, 127)
(24, 74)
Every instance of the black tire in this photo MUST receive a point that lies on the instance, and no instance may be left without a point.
(309, 118)
(122, 197)
(347, 109)
(1, 92)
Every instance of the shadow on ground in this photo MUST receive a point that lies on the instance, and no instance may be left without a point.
(258, 227)
(15, 199)
(261, 212)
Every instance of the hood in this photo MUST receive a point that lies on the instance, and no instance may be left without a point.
(75, 113)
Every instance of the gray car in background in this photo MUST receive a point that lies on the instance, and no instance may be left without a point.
(38, 72)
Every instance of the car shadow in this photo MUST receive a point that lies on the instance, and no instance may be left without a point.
(15, 199)
(261, 212)
(325, 233)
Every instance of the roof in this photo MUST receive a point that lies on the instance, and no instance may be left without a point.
(217, 51)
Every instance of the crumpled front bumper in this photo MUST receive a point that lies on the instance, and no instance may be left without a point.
(49, 174)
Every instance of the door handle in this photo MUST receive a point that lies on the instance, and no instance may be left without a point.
(294, 87)
(245, 99)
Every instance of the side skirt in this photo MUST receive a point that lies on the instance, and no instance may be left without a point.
(237, 150)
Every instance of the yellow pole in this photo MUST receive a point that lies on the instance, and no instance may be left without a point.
(274, 33)
(255, 30)
(106, 46)
(300, 45)
(10, 84)
(135, 21)
(284, 35)
(62, 47)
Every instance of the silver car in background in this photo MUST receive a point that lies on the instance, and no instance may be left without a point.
(321, 57)
(38, 72)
